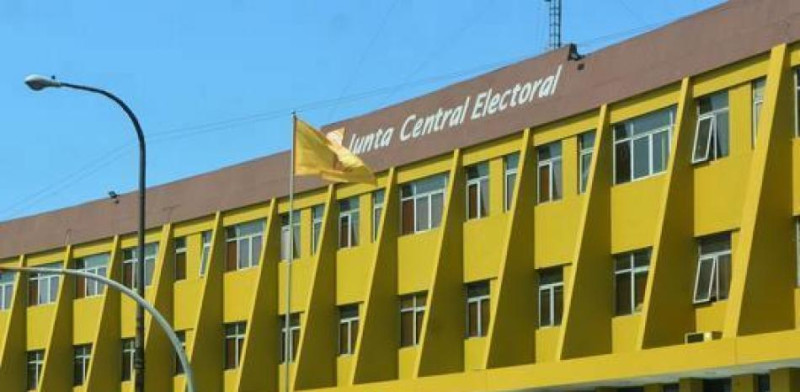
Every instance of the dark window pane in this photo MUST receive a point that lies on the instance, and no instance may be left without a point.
(230, 353)
(640, 281)
(484, 317)
(231, 255)
(408, 216)
(472, 201)
(544, 308)
(623, 163)
(472, 317)
(724, 270)
(406, 329)
(180, 266)
(558, 304)
(623, 293)
(544, 183)
(419, 320)
(343, 346)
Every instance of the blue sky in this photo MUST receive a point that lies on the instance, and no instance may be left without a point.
(214, 82)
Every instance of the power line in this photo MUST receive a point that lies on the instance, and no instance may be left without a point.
(24, 204)
(363, 57)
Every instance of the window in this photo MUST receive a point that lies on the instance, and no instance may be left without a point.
(551, 296)
(711, 139)
(83, 354)
(477, 191)
(180, 258)
(477, 309)
(797, 249)
(129, 261)
(713, 268)
(641, 145)
(762, 383)
(631, 389)
(35, 366)
(630, 280)
(243, 245)
(43, 287)
(758, 103)
(295, 235)
(797, 101)
(234, 340)
(294, 337)
(671, 387)
(348, 222)
(316, 226)
(178, 365)
(412, 313)
(95, 264)
(720, 385)
(205, 252)
(348, 329)
(6, 290)
(585, 149)
(128, 352)
(421, 204)
(377, 210)
(510, 168)
(550, 183)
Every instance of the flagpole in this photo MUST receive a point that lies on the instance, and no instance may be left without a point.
(289, 262)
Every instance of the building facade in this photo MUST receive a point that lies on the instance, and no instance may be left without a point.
(624, 221)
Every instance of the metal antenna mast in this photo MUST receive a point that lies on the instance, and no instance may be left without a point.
(555, 24)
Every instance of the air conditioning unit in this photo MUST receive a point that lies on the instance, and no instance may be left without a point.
(699, 337)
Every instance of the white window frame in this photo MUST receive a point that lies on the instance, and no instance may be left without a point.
(714, 259)
(417, 196)
(631, 270)
(317, 213)
(6, 289)
(480, 182)
(713, 138)
(351, 217)
(285, 235)
(288, 354)
(417, 309)
(478, 301)
(129, 350)
(150, 253)
(205, 251)
(239, 329)
(82, 358)
(49, 281)
(91, 287)
(348, 322)
(550, 289)
(757, 85)
(509, 180)
(631, 141)
(585, 151)
(247, 241)
(37, 362)
(378, 200)
(550, 164)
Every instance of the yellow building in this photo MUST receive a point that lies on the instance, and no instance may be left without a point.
(626, 220)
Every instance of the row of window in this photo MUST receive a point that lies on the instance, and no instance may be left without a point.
(234, 339)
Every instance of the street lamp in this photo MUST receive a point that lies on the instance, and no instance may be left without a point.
(38, 82)
(140, 301)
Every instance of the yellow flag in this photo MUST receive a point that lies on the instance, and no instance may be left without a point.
(316, 155)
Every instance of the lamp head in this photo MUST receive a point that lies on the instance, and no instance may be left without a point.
(38, 82)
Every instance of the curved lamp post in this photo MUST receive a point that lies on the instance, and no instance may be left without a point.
(176, 343)
(38, 82)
